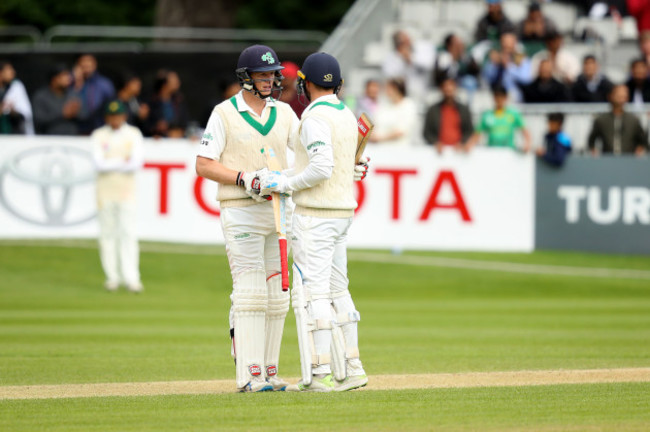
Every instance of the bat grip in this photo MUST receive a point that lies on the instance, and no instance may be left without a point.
(284, 264)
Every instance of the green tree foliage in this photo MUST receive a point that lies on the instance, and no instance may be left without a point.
(47, 13)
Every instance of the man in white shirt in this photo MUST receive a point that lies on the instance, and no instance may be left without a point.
(322, 187)
(229, 154)
(118, 154)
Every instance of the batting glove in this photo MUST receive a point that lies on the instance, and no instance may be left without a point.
(274, 181)
(361, 169)
(251, 182)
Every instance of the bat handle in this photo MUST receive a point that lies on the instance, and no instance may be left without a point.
(284, 264)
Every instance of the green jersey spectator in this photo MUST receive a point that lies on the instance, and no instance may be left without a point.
(501, 124)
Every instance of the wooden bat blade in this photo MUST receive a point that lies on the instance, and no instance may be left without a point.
(365, 126)
(279, 216)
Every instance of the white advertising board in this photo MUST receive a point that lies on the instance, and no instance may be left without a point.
(412, 198)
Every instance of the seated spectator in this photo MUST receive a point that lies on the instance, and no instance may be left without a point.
(15, 108)
(95, 91)
(640, 10)
(56, 106)
(535, 27)
(289, 89)
(129, 89)
(508, 67)
(566, 66)
(412, 62)
(395, 116)
(168, 114)
(639, 83)
(501, 124)
(591, 85)
(618, 132)
(455, 62)
(448, 123)
(370, 100)
(494, 23)
(545, 88)
(557, 144)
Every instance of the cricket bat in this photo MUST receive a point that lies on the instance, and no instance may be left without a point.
(365, 128)
(280, 216)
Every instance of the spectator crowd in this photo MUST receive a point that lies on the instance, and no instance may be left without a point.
(525, 62)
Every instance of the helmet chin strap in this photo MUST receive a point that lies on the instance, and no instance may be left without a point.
(252, 88)
(303, 93)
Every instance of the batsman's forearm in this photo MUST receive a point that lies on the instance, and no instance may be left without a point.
(215, 171)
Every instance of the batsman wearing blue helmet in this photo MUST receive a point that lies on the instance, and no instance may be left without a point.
(323, 191)
(229, 153)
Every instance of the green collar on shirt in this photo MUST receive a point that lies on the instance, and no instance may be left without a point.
(338, 106)
(263, 129)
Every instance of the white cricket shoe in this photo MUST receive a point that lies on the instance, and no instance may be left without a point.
(256, 385)
(351, 383)
(135, 287)
(278, 383)
(111, 286)
(325, 384)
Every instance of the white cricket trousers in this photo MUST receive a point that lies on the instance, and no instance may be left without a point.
(319, 252)
(118, 243)
(258, 304)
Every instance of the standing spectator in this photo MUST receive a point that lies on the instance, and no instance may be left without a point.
(128, 91)
(118, 154)
(508, 67)
(640, 10)
(56, 106)
(557, 144)
(535, 27)
(95, 91)
(566, 66)
(494, 23)
(454, 62)
(15, 108)
(639, 83)
(289, 90)
(395, 116)
(618, 132)
(412, 62)
(448, 122)
(591, 85)
(501, 124)
(370, 100)
(545, 88)
(168, 116)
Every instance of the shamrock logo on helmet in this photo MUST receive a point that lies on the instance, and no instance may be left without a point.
(268, 57)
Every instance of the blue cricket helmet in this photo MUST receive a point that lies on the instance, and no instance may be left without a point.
(321, 69)
(258, 58)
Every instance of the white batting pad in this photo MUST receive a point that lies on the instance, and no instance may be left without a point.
(278, 305)
(347, 318)
(249, 305)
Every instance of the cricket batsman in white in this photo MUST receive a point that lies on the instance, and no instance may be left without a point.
(323, 193)
(230, 154)
(118, 153)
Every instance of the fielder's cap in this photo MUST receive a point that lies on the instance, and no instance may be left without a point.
(115, 107)
(259, 58)
(534, 7)
(321, 69)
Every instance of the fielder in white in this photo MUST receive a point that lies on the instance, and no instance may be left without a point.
(118, 154)
(230, 154)
(323, 192)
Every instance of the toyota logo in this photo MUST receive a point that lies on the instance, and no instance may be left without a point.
(50, 186)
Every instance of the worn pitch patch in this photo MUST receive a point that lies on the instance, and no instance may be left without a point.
(376, 382)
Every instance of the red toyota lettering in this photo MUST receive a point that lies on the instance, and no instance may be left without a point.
(396, 174)
(198, 195)
(458, 204)
(164, 168)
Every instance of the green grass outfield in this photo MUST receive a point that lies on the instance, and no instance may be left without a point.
(58, 326)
